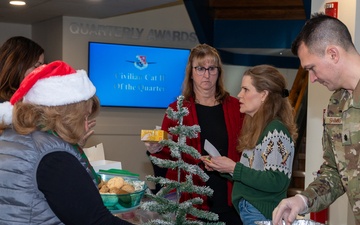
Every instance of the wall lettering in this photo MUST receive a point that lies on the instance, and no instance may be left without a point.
(131, 33)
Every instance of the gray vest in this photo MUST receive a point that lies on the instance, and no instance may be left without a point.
(20, 156)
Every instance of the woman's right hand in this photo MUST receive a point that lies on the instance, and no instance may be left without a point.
(206, 159)
(153, 147)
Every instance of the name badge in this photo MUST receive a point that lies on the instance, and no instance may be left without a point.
(333, 120)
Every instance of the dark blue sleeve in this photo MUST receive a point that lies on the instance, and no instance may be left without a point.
(71, 193)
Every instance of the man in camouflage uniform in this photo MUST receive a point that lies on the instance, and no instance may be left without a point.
(325, 49)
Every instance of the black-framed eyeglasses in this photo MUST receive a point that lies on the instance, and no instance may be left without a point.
(38, 64)
(200, 70)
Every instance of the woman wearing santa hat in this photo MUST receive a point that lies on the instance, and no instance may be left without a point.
(19, 56)
(44, 176)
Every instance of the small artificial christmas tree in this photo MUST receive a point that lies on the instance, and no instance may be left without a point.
(174, 212)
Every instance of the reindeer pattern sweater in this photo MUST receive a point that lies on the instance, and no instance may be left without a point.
(263, 174)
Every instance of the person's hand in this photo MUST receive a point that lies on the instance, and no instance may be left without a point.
(89, 124)
(222, 164)
(153, 147)
(288, 209)
(206, 159)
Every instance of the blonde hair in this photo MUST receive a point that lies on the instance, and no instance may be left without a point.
(275, 106)
(68, 121)
(201, 52)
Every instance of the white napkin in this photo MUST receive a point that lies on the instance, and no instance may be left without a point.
(209, 148)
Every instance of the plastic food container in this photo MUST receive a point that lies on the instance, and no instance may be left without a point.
(118, 203)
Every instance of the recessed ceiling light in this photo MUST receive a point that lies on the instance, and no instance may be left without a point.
(17, 3)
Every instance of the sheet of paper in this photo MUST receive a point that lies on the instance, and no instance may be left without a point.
(209, 148)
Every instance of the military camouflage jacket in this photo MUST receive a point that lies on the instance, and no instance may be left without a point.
(340, 172)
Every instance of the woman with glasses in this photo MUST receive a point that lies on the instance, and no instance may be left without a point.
(217, 113)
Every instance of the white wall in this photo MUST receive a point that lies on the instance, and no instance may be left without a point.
(49, 34)
(318, 97)
(12, 29)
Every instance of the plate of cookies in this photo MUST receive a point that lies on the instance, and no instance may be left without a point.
(121, 192)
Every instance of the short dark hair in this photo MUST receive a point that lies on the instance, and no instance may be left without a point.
(321, 30)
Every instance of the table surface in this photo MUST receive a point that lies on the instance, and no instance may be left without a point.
(138, 216)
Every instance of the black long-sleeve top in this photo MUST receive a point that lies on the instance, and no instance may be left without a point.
(71, 192)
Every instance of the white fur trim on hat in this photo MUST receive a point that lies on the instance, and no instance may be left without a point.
(61, 90)
(6, 113)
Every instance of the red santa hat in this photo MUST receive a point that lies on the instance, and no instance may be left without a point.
(54, 84)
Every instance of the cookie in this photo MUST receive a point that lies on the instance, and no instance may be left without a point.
(128, 188)
(104, 189)
(115, 182)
